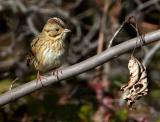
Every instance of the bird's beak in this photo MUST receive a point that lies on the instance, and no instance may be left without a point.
(66, 30)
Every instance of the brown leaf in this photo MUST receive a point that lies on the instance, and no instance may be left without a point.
(137, 86)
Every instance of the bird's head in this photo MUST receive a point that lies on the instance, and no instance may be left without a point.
(55, 28)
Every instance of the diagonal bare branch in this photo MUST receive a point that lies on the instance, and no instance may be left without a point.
(79, 68)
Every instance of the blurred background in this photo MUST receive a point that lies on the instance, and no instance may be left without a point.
(93, 96)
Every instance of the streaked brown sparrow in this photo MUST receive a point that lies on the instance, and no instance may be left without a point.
(48, 48)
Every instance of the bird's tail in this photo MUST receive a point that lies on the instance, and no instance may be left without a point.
(29, 59)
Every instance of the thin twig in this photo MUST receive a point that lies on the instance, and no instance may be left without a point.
(143, 6)
(118, 30)
(150, 54)
(31, 26)
(10, 88)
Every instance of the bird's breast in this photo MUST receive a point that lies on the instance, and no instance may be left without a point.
(50, 56)
(52, 59)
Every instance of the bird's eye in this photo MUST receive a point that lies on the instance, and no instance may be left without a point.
(57, 29)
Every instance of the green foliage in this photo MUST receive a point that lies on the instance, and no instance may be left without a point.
(4, 85)
(121, 115)
(85, 113)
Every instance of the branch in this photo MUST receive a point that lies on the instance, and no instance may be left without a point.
(79, 68)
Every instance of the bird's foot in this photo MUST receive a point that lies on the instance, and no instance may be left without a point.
(56, 73)
(39, 78)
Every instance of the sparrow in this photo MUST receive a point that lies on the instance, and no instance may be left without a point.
(48, 48)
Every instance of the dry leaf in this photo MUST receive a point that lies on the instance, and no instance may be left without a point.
(137, 86)
(134, 71)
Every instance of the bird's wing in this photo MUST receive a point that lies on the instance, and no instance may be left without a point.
(33, 45)
(30, 57)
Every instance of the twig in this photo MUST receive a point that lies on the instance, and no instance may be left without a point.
(79, 68)
(143, 6)
(31, 26)
(10, 88)
(118, 30)
(7, 64)
(99, 72)
(150, 54)
(138, 2)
